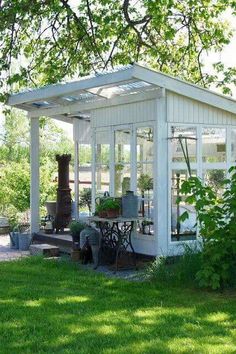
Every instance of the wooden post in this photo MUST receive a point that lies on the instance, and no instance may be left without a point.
(34, 176)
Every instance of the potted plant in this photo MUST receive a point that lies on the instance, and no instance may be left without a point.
(100, 211)
(112, 207)
(75, 229)
(145, 183)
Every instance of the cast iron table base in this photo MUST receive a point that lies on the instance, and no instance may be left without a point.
(115, 239)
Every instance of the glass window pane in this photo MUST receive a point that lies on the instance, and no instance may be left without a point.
(233, 145)
(102, 179)
(85, 154)
(122, 179)
(181, 231)
(122, 146)
(85, 177)
(145, 179)
(213, 145)
(146, 211)
(181, 147)
(145, 144)
(214, 178)
(102, 147)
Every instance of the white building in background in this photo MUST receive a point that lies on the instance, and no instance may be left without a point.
(140, 122)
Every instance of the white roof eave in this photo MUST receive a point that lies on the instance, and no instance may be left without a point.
(184, 88)
(50, 91)
(137, 72)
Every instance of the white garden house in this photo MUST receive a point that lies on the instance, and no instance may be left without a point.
(139, 122)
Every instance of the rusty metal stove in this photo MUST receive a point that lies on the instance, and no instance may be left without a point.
(63, 209)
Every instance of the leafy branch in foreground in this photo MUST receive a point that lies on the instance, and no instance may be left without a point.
(45, 42)
(216, 218)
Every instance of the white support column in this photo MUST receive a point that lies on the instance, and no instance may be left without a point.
(93, 169)
(34, 175)
(76, 179)
(161, 177)
(112, 162)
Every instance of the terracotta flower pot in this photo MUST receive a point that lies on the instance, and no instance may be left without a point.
(102, 214)
(113, 213)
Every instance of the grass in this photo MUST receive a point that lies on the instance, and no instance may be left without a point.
(56, 307)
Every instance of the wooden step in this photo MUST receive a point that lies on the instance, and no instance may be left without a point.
(44, 249)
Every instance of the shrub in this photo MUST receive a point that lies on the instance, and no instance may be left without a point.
(177, 270)
(217, 226)
(76, 227)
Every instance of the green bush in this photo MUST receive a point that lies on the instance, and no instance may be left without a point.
(177, 270)
(216, 219)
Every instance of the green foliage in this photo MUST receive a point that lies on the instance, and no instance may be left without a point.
(217, 226)
(15, 186)
(110, 204)
(99, 208)
(145, 182)
(55, 40)
(85, 198)
(76, 227)
(178, 270)
(15, 165)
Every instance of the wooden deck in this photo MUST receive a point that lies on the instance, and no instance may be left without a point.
(63, 241)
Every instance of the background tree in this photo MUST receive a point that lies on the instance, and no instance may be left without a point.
(45, 41)
(15, 164)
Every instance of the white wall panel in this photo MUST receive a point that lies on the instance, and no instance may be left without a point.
(124, 114)
(181, 109)
(82, 131)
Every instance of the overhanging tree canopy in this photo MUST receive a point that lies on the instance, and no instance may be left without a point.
(44, 41)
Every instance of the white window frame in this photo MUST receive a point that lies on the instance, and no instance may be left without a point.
(199, 165)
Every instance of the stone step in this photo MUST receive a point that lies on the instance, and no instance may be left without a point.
(44, 249)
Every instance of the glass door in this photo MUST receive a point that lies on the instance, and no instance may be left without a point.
(144, 163)
(122, 161)
(102, 163)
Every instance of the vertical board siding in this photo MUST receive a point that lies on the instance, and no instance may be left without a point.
(181, 109)
(82, 131)
(124, 114)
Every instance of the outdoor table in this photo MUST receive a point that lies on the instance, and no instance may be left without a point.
(116, 236)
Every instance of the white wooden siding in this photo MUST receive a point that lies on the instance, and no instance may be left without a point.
(181, 109)
(82, 131)
(124, 114)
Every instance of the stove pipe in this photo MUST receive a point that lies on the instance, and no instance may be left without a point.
(63, 209)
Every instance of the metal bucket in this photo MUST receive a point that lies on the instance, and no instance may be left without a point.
(14, 240)
(24, 241)
(130, 205)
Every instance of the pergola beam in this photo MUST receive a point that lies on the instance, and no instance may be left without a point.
(81, 107)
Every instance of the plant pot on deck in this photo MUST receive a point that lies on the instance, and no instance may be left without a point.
(14, 240)
(24, 241)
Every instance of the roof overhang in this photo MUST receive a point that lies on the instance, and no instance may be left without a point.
(76, 99)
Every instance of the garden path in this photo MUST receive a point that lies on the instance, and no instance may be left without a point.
(8, 254)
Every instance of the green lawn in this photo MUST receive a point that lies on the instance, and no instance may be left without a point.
(54, 307)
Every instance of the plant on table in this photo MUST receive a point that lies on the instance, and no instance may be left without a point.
(100, 211)
(112, 207)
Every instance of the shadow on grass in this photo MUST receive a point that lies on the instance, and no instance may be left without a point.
(56, 307)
